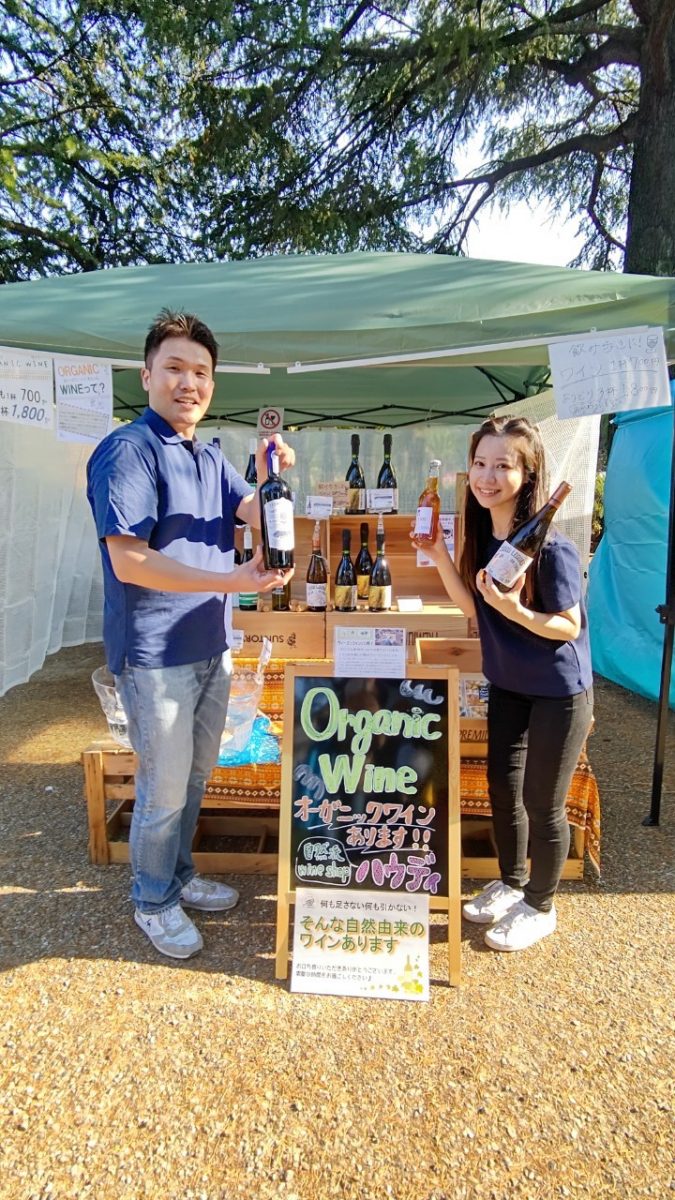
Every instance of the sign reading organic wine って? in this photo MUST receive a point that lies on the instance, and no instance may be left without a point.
(370, 787)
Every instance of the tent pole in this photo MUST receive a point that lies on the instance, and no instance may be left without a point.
(667, 614)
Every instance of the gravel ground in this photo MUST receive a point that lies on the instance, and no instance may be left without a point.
(124, 1076)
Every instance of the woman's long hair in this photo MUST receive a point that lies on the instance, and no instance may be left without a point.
(532, 495)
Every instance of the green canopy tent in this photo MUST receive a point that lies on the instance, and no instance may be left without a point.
(362, 339)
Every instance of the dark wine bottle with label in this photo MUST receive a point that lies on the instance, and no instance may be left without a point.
(248, 601)
(514, 555)
(387, 477)
(276, 517)
(251, 473)
(356, 497)
(363, 565)
(281, 598)
(345, 577)
(317, 575)
(379, 592)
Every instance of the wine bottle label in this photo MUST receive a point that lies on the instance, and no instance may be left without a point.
(278, 517)
(362, 585)
(356, 500)
(508, 564)
(345, 597)
(316, 595)
(423, 520)
(379, 598)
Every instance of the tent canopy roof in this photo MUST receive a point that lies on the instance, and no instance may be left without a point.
(317, 310)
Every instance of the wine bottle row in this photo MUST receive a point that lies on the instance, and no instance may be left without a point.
(356, 495)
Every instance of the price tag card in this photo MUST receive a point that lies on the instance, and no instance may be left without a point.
(380, 500)
(237, 639)
(447, 521)
(348, 943)
(409, 604)
(319, 507)
(84, 399)
(26, 388)
(371, 652)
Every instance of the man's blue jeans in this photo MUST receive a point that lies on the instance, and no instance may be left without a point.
(176, 717)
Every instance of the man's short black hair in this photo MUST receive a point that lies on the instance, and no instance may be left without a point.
(169, 324)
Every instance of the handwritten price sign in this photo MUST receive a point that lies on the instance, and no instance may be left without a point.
(26, 388)
(609, 373)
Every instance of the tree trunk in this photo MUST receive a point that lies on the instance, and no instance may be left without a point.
(650, 241)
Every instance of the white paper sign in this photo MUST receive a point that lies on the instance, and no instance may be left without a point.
(609, 373)
(370, 652)
(383, 500)
(270, 420)
(319, 507)
(26, 388)
(84, 399)
(447, 521)
(361, 944)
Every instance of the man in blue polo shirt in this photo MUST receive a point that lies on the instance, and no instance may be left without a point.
(165, 506)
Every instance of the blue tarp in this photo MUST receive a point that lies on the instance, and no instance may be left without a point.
(627, 578)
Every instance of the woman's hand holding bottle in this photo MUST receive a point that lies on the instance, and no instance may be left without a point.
(437, 550)
(508, 603)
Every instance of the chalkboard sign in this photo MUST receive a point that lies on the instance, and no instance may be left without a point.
(370, 786)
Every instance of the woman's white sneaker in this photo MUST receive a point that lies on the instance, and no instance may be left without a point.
(171, 932)
(495, 900)
(521, 928)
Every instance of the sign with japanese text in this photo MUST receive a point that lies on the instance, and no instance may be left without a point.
(26, 388)
(362, 944)
(370, 785)
(609, 372)
(84, 399)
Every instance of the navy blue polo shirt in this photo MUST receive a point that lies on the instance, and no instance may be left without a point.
(519, 660)
(180, 496)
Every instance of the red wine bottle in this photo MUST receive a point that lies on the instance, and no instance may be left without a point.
(514, 555)
(276, 517)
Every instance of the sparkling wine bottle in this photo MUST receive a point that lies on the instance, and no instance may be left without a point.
(251, 474)
(248, 601)
(514, 555)
(363, 565)
(317, 575)
(276, 517)
(387, 477)
(379, 591)
(345, 577)
(429, 507)
(356, 498)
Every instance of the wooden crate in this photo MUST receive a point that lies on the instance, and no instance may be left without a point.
(464, 653)
(292, 634)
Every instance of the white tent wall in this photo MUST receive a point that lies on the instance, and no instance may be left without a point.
(50, 584)
(51, 591)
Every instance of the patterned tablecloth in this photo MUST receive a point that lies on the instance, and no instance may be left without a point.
(258, 786)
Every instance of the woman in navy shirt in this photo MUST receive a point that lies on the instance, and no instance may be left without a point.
(536, 657)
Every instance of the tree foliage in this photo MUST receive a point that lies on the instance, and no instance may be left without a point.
(154, 131)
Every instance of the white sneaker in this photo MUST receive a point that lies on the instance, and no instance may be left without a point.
(521, 928)
(171, 932)
(208, 895)
(495, 900)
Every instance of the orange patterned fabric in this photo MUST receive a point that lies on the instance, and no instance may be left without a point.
(259, 786)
